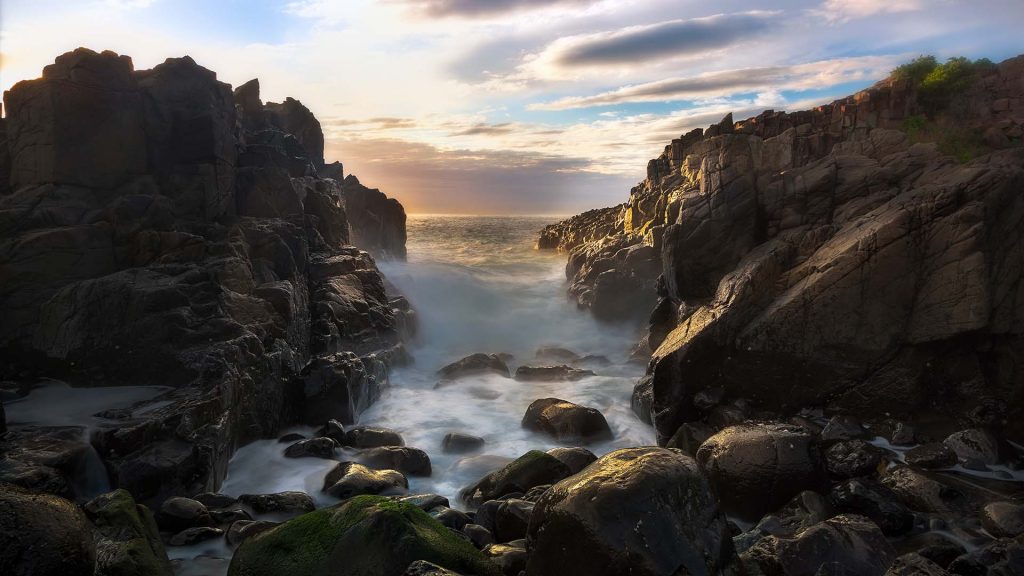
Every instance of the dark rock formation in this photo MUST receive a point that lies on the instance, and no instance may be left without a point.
(126, 536)
(363, 535)
(643, 511)
(534, 468)
(157, 229)
(828, 258)
(840, 545)
(474, 364)
(411, 461)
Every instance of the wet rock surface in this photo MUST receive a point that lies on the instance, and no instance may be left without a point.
(43, 534)
(755, 468)
(348, 479)
(636, 511)
(565, 421)
(534, 468)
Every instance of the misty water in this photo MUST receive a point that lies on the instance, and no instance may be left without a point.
(477, 285)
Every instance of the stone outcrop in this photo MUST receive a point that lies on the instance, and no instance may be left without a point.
(157, 228)
(832, 258)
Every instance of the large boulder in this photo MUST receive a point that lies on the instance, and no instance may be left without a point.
(127, 540)
(535, 468)
(840, 545)
(43, 535)
(756, 468)
(363, 535)
(411, 461)
(565, 421)
(348, 479)
(642, 511)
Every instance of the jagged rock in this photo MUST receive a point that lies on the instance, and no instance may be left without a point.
(410, 461)
(640, 401)
(644, 511)
(473, 365)
(840, 545)
(156, 234)
(550, 373)
(756, 468)
(127, 540)
(821, 258)
(293, 503)
(565, 421)
(341, 386)
(576, 458)
(376, 222)
(925, 493)
(531, 469)
(459, 443)
(362, 535)
(348, 479)
(372, 437)
(841, 428)
(312, 448)
(43, 534)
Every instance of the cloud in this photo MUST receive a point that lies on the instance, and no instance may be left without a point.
(478, 182)
(729, 82)
(485, 129)
(483, 8)
(653, 42)
(838, 11)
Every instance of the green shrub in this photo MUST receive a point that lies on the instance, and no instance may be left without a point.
(916, 70)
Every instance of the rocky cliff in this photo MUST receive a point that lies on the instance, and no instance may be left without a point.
(157, 228)
(865, 256)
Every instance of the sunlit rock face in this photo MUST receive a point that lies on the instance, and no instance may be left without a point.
(823, 258)
(157, 228)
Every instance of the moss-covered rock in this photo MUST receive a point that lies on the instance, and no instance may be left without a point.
(127, 539)
(362, 536)
(535, 468)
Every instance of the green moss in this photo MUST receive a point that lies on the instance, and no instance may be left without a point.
(365, 535)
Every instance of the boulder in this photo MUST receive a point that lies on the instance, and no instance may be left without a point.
(312, 448)
(690, 436)
(1003, 519)
(478, 535)
(511, 519)
(340, 387)
(215, 500)
(566, 422)
(531, 469)
(424, 568)
(932, 455)
(192, 536)
(576, 458)
(459, 443)
(556, 354)
(974, 446)
(1003, 556)
(349, 479)
(177, 514)
(473, 365)
(756, 468)
(561, 373)
(288, 503)
(410, 461)
(510, 557)
(915, 565)
(850, 458)
(362, 535)
(242, 529)
(127, 540)
(641, 511)
(371, 437)
(840, 545)
(43, 535)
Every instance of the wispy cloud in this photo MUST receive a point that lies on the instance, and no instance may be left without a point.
(812, 75)
(653, 42)
(483, 8)
(845, 10)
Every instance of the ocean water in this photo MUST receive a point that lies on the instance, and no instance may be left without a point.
(477, 285)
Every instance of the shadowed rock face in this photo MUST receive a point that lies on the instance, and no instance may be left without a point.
(156, 228)
(821, 258)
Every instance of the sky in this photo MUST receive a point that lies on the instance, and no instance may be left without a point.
(517, 106)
